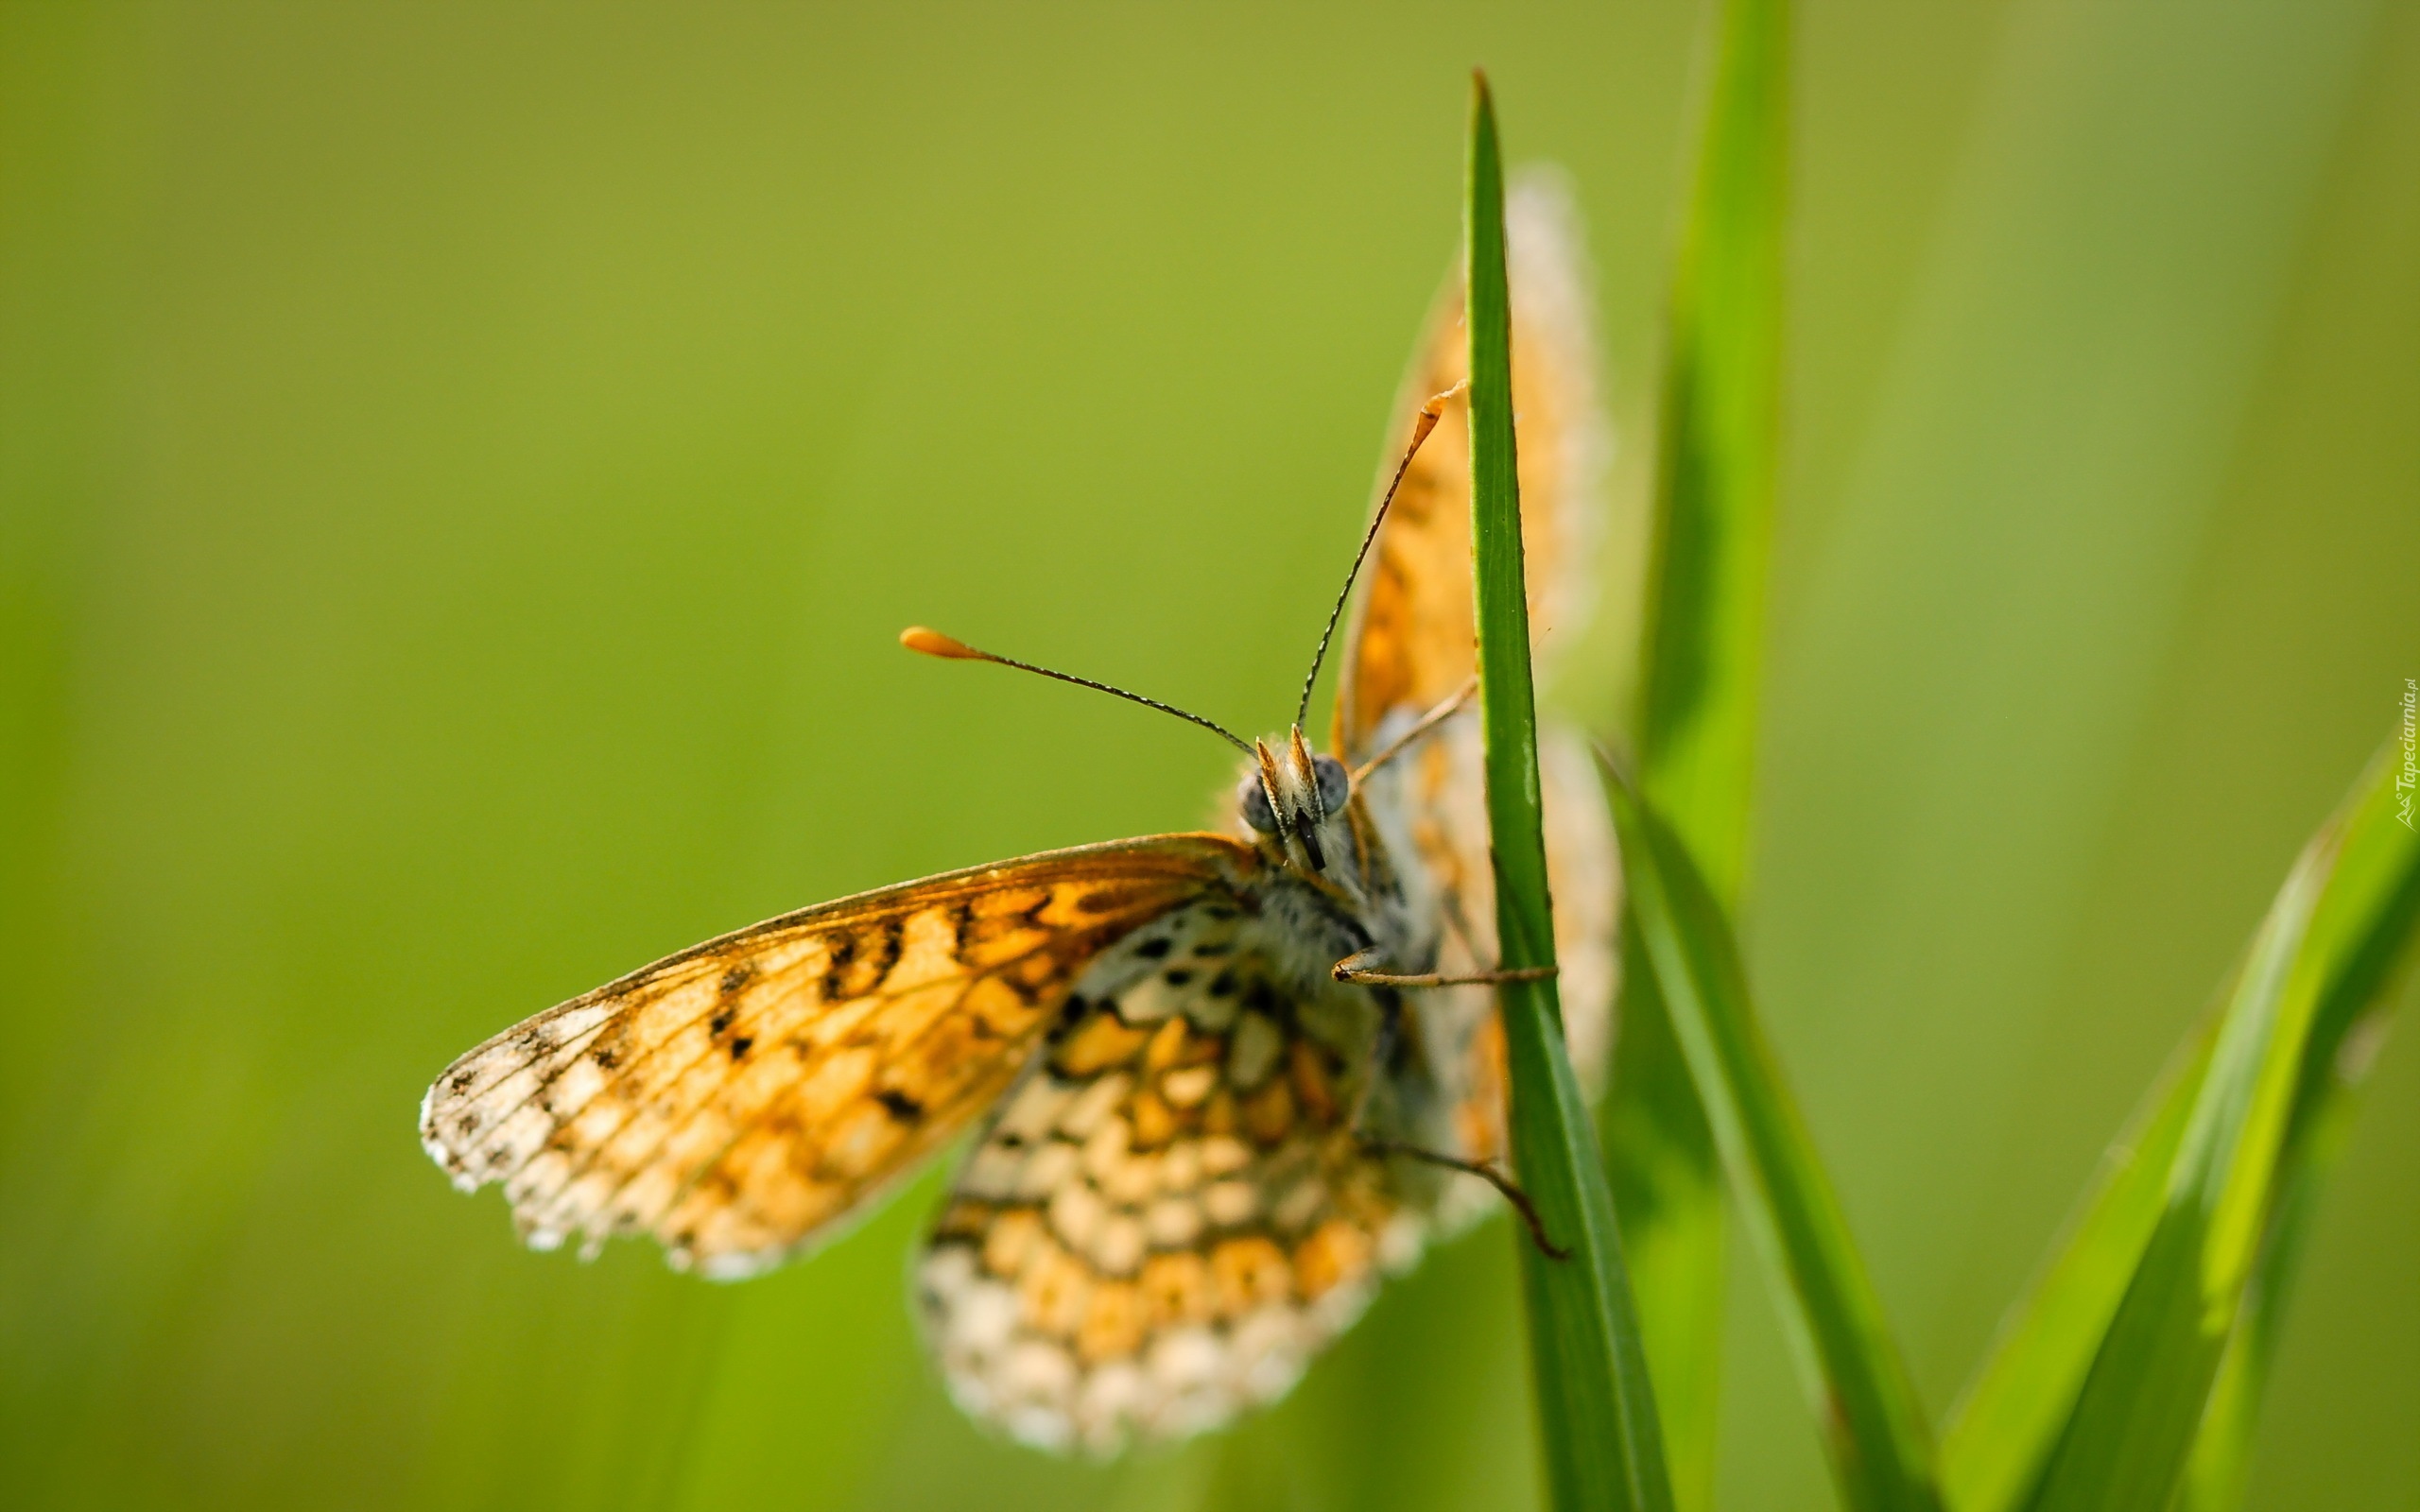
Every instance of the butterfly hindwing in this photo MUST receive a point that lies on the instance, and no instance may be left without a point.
(736, 1098)
(1174, 1211)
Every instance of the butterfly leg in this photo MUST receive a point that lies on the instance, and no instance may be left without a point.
(1512, 1194)
(1352, 969)
(1444, 710)
(1382, 1046)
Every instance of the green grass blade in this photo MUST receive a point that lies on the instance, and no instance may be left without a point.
(1875, 1430)
(1713, 505)
(2346, 1030)
(1696, 720)
(1667, 1193)
(1603, 1447)
(2214, 1477)
(1997, 1440)
(1996, 1437)
(2244, 1123)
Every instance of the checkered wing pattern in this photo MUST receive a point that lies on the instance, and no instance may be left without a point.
(1172, 1212)
(736, 1099)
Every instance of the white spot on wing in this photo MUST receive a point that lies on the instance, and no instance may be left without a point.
(1255, 1049)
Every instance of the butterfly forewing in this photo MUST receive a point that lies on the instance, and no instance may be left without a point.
(1412, 620)
(1413, 647)
(1174, 1211)
(737, 1097)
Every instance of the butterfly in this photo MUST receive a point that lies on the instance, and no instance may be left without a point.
(1223, 1082)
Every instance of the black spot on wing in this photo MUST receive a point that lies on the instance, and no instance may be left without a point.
(889, 938)
(841, 954)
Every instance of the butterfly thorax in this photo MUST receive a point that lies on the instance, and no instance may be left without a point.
(1343, 878)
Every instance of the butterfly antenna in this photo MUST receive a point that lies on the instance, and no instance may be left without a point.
(933, 642)
(1420, 425)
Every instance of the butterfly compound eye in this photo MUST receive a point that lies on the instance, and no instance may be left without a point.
(1336, 783)
(1254, 799)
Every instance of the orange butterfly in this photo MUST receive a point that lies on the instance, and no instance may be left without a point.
(1227, 1079)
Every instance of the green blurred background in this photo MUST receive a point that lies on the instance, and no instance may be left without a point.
(461, 468)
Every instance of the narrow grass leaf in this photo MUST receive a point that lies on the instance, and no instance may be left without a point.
(1697, 711)
(2214, 1477)
(2250, 1127)
(1715, 481)
(1875, 1430)
(1603, 1449)
(2347, 1028)
(1998, 1435)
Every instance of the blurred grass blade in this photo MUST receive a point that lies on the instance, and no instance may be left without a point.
(1996, 1437)
(1696, 720)
(2094, 1396)
(2347, 1029)
(1874, 1431)
(1597, 1412)
(2214, 1478)
(1715, 485)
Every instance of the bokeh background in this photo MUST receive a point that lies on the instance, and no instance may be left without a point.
(462, 468)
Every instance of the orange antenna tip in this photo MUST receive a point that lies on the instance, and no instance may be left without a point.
(933, 642)
(926, 642)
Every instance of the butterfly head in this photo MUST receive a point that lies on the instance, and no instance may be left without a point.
(1296, 798)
